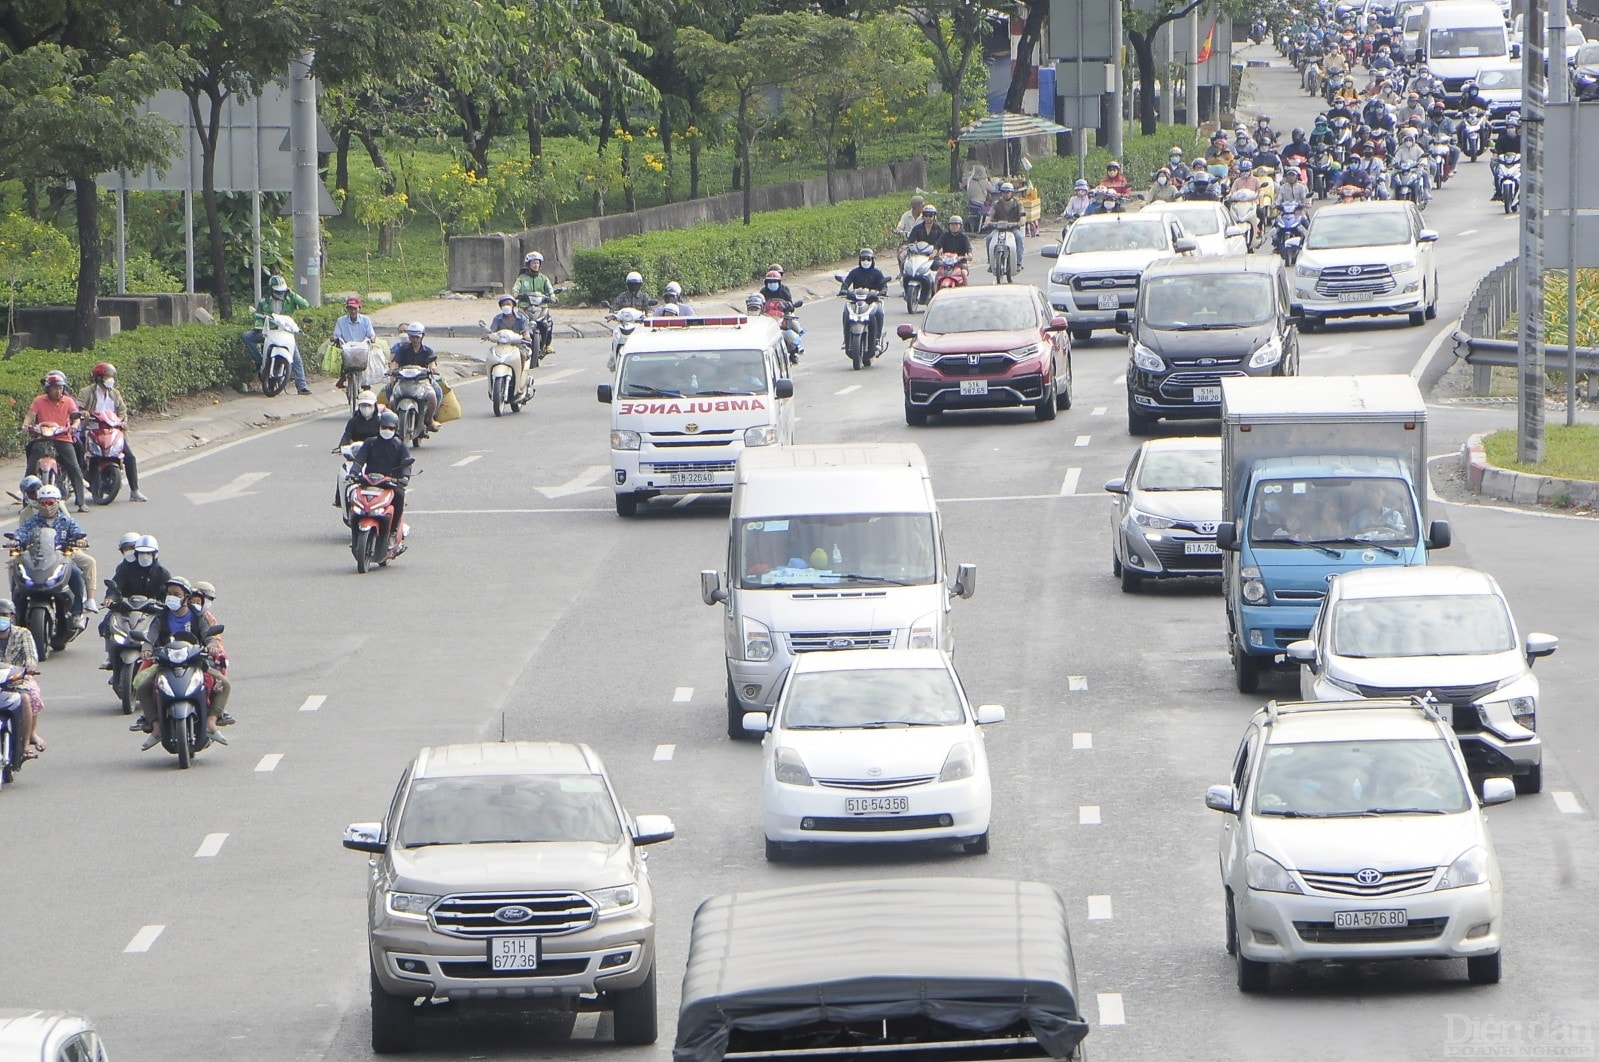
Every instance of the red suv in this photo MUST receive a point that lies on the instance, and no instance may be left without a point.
(987, 347)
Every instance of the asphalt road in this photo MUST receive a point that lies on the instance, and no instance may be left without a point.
(212, 913)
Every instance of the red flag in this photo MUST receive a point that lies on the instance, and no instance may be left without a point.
(1205, 49)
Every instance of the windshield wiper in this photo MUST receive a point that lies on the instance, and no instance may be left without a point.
(1356, 543)
(1405, 811)
(1291, 541)
(646, 389)
(428, 844)
(857, 577)
(722, 394)
(1196, 486)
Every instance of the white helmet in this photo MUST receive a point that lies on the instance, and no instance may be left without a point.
(147, 544)
(635, 277)
(532, 256)
(128, 541)
(49, 492)
(1007, 187)
(673, 290)
(366, 398)
(416, 328)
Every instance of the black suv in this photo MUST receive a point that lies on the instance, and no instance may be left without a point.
(1199, 319)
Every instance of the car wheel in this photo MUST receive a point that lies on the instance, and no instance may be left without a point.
(1131, 580)
(1063, 396)
(775, 852)
(977, 845)
(1137, 424)
(1309, 324)
(627, 505)
(1115, 565)
(735, 714)
(633, 1014)
(1254, 977)
(1044, 409)
(1432, 307)
(1246, 670)
(1418, 318)
(915, 415)
(1483, 969)
(1232, 923)
(1531, 782)
(393, 1021)
(1082, 335)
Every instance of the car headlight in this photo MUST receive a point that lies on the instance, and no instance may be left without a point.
(924, 632)
(1403, 267)
(760, 435)
(960, 763)
(1470, 869)
(1267, 354)
(614, 899)
(1265, 874)
(757, 639)
(1147, 359)
(1159, 523)
(1253, 589)
(925, 357)
(1023, 353)
(622, 439)
(412, 905)
(1523, 709)
(788, 768)
(1307, 271)
(1062, 279)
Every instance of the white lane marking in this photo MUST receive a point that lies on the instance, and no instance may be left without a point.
(1566, 801)
(683, 694)
(467, 460)
(556, 377)
(1082, 440)
(210, 451)
(1120, 377)
(269, 762)
(210, 846)
(1099, 909)
(1069, 484)
(1110, 1009)
(1445, 334)
(1081, 740)
(142, 940)
(1077, 683)
(1465, 232)
(1088, 815)
(313, 702)
(578, 484)
(586, 1025)
(664, 752)
(1099, 411)
(301, 446)
(851, 389)
(237, 487)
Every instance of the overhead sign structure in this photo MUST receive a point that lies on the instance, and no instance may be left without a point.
(1081, 29)
(252, 146)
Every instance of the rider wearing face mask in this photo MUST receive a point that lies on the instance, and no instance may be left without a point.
(1162, 190)
(178, 618)
(386, 455)
(363, 423)
(19, 651)
(51, 518)
(140, 574)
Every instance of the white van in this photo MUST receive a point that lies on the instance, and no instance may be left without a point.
(690, 393)
(1457, 38)
(829, 547)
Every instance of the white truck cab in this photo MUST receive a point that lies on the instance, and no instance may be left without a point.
(689, 395)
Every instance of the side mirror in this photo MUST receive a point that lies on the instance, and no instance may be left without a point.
(1184, 245)
(1428, 236)
(1049, 252)
(1438, 535)
(603, 393)
(364, 837)
(652, 302)
(1227, 536)
(839, 277)
(1539, 645)
(783, 388)
(906, 331)
(1116, 486)
(1497, 791)
(482, 324)
(965, 580)
(798, 303)
(1515, 51)
(1236, 230)
(1124, 323)
(990, 713)
(1303, 651)
(1058, 323)
(652, 829)
(756, 722)
(711, 591)
(1222, 798)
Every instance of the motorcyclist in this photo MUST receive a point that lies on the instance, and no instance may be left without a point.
(278, 300)
(1507, 142)
(1471, 96)
(530, 280)
(52, 519)
(511, 318)
(21, 651)
(387, 455)
(1264, 134)
(1411, 108)
(102, 396)
(1298, 144)
(908, 220)
(673, 293)
(1115, 179)
(772, 287)
(1246, 181)
(178, 618)
(363, 423)
(1077, 206)
(1369, 173)
(1220, 153)
(1176, 166)
(955, 240)
(139, 574)
(633, 296)
(1007, 208)
(1291, 221)
(353, 328)
(55, 407)
(927, 230)
(1412, 152)
(1201, 186)
(1161, 189)
(867, 275)
(1321, 131)
(412, 351)
(1381, 60)
(1293, 190)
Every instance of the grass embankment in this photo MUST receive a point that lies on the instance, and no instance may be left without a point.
(1569, 452)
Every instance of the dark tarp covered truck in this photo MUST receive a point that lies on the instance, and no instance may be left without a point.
(906, 969)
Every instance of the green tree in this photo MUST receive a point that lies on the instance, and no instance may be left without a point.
(954, 29)
(1142, 20)
(737, 74)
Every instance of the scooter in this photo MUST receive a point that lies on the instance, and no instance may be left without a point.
(1440, 149)
(43, 451)
(41, 586)
(182, 695)
(13, 702)
(1510, 181)
(860, 305)
(1407, 184)
(341, 489)
(533, 306)
(627, 321)
(278, 346)
(951, 273)
(916, 275)
(1288, 234)
(1002, 251)
(1471, 133)
(1241, 207)
(408, 397)
(127, 622)
(105, 442)
(787, 318)
(510, 370)
(373, 538)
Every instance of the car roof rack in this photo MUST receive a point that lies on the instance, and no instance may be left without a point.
(1426, 702)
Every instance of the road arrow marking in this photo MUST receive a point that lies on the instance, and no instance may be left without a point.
(229, 491)
(578, 484)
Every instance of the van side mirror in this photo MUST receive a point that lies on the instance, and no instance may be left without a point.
(756, 722)
(1538, 645)
(965, 580)
(652, 829)
(1427, 236)
(1227, 536)
(603, 393)
(1124, 323)
(1050, 251)
(1184, 245)
(784, 388)
(1438, 535)
(1235, 230)
(990, 713)
(711, 591)
(1222, 798)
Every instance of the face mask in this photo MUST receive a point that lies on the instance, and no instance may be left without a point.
(5, 624)
(145, 559)
(367, 411)
(385, 433)
(1160, 180)
(173, 603)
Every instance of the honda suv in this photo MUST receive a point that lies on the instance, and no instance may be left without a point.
(505, 871)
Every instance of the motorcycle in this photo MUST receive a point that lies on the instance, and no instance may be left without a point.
(1002, 251)
(787, 318)
(408, 397)
(1258, 30)
(41, 586)
(627, 321)
(535, 307)
(1440, 149)
(43, 451)
(860, 305)
(181, 694)
(105, 442)
(1241, 208)
(510, 370)
(278, 346)
(1288, 238)
(127, 622)
(1105, 201)
(13, 702)
(373, 537)
(365, 366)
(1406, 184)
(950, 272)
(916, 275)
(1510, 181)
(1472, 140)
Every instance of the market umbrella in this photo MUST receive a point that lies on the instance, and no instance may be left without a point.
(1008, 126)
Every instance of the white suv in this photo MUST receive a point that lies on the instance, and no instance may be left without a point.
(1100, 262)
(1353, 834)
(1367, 260)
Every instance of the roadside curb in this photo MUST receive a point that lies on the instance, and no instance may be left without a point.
(1523, 488)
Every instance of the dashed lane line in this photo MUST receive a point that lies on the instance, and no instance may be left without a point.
(1566, 801)
(1068, 485)
(664, 752)
(467, 460)
(142, 940)
(1098, 411)
(1466, 232)
(210, 846)
(1077, 683)
(1082, 741)
(683, 694)
(556, 377)
(1111, 1011)
(1099, 909)
(313, 702)
(1088, 815)
(851, 389)
(269, 762)
(1082, 440)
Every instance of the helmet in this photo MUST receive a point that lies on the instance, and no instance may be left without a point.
(755, 304)
(1218, 135)
(49, 492)
(1113, 165)
(30, 483)
(507, 298)
(668, 309)
(105, 368)
(180, 581)
(352, 303)
(772, 274)
(55, 378)
(206, 590)
(635, 277)
(1176, 151)
(128, 541)
(416, 328)
(1409, 134)
(866, 254)
(674, 289)
(1412, 95)
(1245, 166)
(389, 419)
(1264, 119)
(532, 257)
(277, 283)
(1079, 185)
(956, 221)
(8, 607)
(1007, 187)
(1296, 134)
(1201, 177)
(929, 211)
(778, 266)
(366, 398)
(147, 544)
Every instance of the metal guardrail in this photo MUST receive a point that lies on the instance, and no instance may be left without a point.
(1492, 303)
(1501, 353)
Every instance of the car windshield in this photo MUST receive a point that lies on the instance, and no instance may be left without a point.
(1119, 236)
(1412, 22)
(1207, 300)
(1588, 55)
(852, 549)
(1333, 229)
(676, 374)
(1452, 625)
(1336, 779)
(886, 697)
(1180, 470)
(1498, 80)
(1334, 512)
(1201, 222)
(508, 809)
(1467, 42)
(988, 313)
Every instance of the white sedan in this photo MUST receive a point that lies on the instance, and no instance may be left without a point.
(874, 745)
(1208, 224)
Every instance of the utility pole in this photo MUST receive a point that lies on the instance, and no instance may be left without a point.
(1529, 313)
(304, 204)
(1191, 81)
(1117, 102)
(1559, 90)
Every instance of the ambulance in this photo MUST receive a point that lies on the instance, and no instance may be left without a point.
(689, 395)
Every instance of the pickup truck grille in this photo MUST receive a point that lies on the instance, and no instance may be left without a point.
(1355, 279)
(1393, 881)
(816, 641)
(472, 914)
(1097, 282)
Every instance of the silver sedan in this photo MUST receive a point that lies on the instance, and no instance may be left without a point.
(1164, 513)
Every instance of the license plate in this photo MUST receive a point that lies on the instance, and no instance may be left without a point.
(1207, 394)
(1391, 919)
(1109, 301)
(974, 387)
(513, 953)
(1355, 296)
(875, 805)
(1207, 548)
(692, 479)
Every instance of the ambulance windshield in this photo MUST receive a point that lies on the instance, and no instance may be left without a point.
(686, 373)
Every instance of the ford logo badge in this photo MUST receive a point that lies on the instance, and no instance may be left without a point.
(840, 643)
(1368, 876)
(513, 916)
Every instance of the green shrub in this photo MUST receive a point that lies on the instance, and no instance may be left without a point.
(717, 257)
(1141, 157)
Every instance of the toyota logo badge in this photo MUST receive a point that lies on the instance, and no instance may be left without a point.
(692, 429)
(1354, 271)
(513, 916)
(1207, 528)
(1368, 876)
(874, 772)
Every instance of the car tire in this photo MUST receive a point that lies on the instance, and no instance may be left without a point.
(1232, 923)
(1531, 782)
(1418, 318)
(1044, 408)
(735, 715)
(1432, 307)
(915, 416)
(393, 1021)
(977, 845)
(1131, 580)
(1115, 565)
(1063, 397)
(1138, 424)
(633, 1014)
(1309, 324)
(1082, 335)
(627, 505)
(1246, 670)
(1254, 978)
(775, 852)
(1483, 969)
